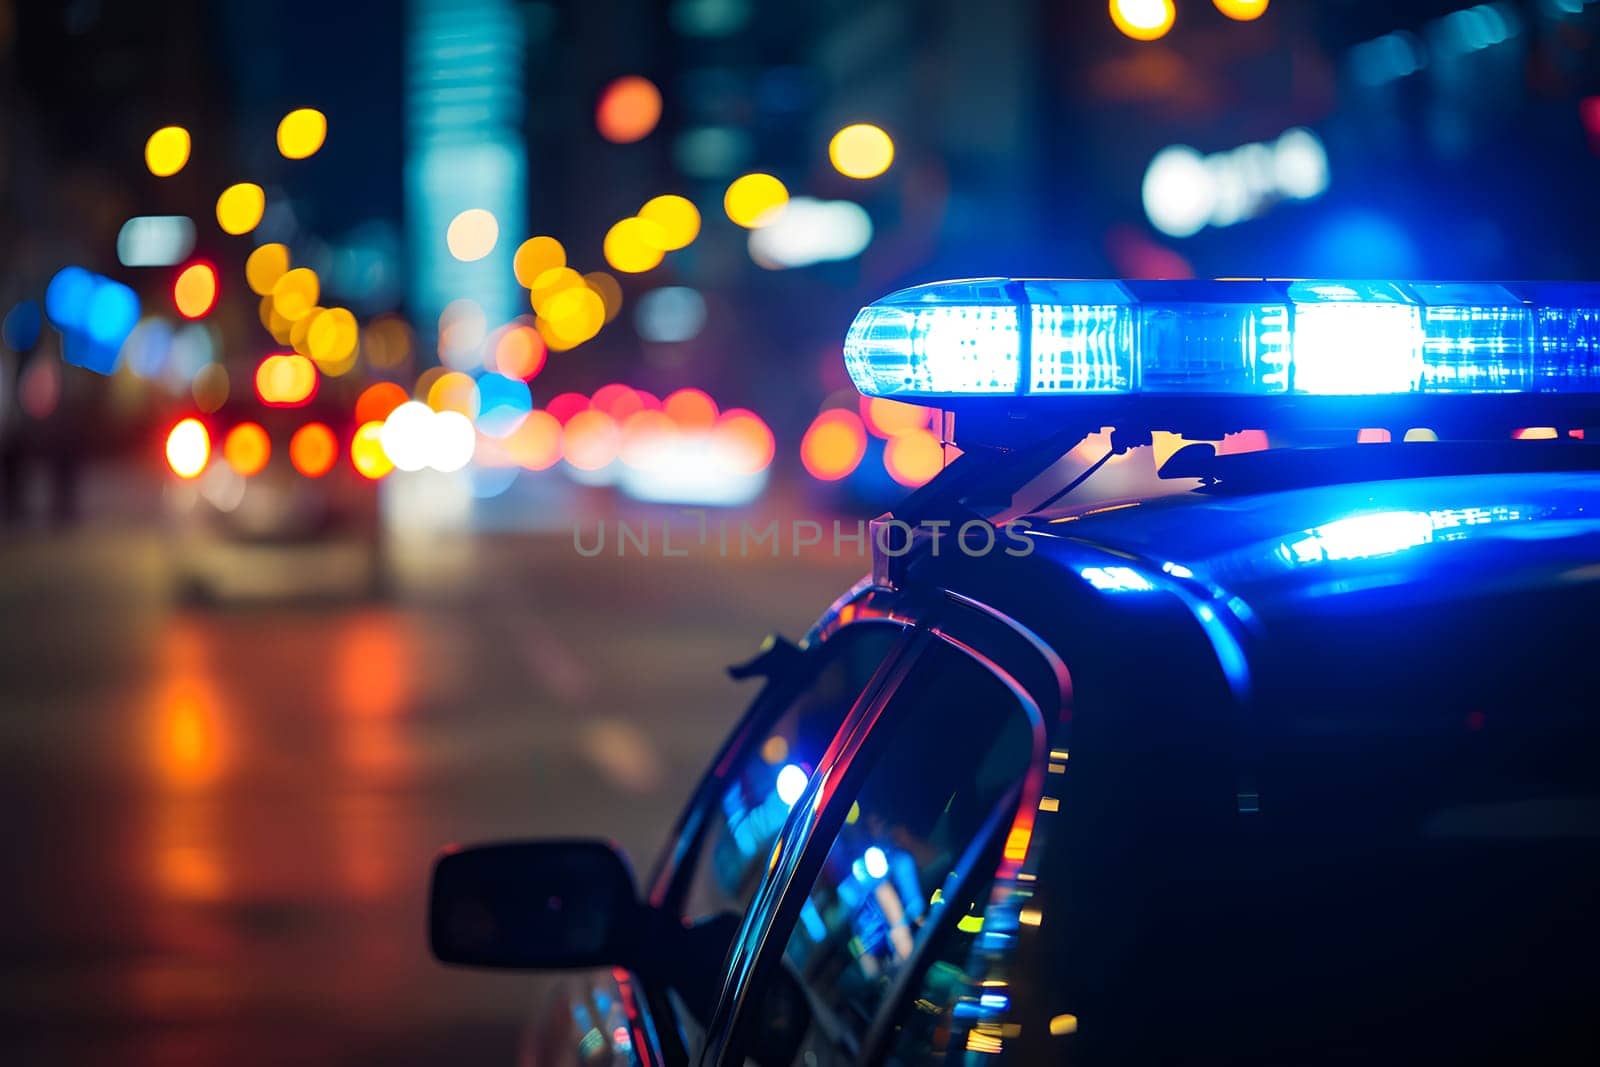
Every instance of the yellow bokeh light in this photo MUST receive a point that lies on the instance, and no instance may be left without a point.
(755, 200)
(247, 448)
(301, 330)
(239, 208)
(575, 314)
(634, 245)
(301, 132)
(472, 234)
(1143, 20)
(535, 256)
(1242, 10)
(366, 451)
(610, 291)
(265, 266)
(167, 150)
(678, 218)
(454, 391)
(551, 282)
(861, 151)
(332, 337)
(295, 293)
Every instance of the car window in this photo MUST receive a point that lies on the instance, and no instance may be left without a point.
(761, 788)
(958, 743)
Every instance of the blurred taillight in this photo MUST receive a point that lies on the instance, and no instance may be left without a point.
(366, 451)
(313, 450)
(188, 448)
(247, 448)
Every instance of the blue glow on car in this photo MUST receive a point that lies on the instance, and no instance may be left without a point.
(1115, 579)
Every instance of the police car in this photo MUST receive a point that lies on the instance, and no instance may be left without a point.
(1297, 761)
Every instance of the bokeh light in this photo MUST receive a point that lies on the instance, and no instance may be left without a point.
(301, 132)
(452, 441)
(628, 110)
(609, 290)
(536, 442)
(572, 316)
(913, 458)
(194, 293)
(472, 234)
(366, 450)
(313, 449)
(378, 400)
(265, 266)
(565, 405)
(462, 328)
(691, 409)
(535, 256)
(670, 314)
(634, 245)
(387, 342)
(166, 151)
(455, 391)
(861, 151)
(590, 440)
(210, 387)
(239, 208)
(406, 435)
(247, 448)
(188, 448)
(755, 200)
(502, 404)
(617, 399)
(888, 418)
(1143, 20)
(644, 433)
(286, 380)
(1242, 10)
(833, 444)
(295, 293)
(331, 340)
(678, 218)
(519, 352)
(748, 440)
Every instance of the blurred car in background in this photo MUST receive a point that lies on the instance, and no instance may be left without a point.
(266, 497)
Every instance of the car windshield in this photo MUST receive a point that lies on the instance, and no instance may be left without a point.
(1396, 860)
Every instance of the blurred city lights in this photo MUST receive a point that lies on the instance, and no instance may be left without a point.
(1185, 191)
(671, 314)
(239, 208)
(387, 342)
(332, 338)
(22, 325)
(1242, 10)
(301, 132)
(791, 784)
(712, 152)
(750, 443)
(535, 256)
(571, 316)
(247, 448)
(590, 440)
(264, 266)
(755, 200)
(710, 18)
(608, 289)
(155, 240)
(462, 329)
(519, 352)
(188, 448)
(536, 442)
(166, 151)
(405, 435)
(1143, 20)
(563, 406)
(691, 409)
(455, 391)
(913, 458)
(286, 380)
(861, 151)
(890, 418)
(833, 445)
(194, 293)
(378, 400)
(628, 110)
(502, 404)
(634, 245)
(452, 441)
(472, 234)
(812, 231)
(366, 450)
(295, 293)
(313, 450)
(94, 314)
(678, 218)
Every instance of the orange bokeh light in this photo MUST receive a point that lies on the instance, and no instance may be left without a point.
(286, 380)
(888, 418)
(376, 401)
(536, 442)
(833, 445)
(313, 449)
(520, 352)
(629, 109)
(617, 400)
(692, 409)
(750, 440)
(913, 458)
(194, 293)
(643, 436)
(247, 448)
(590, 440)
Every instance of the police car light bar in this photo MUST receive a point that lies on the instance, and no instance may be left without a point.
(1175, 344)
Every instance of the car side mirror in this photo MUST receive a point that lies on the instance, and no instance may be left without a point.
(534, 905)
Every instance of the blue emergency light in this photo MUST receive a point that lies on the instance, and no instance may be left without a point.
(1177, 344)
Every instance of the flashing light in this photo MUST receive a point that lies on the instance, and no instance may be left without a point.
(791, 783)
(997, 337)
(188, 448)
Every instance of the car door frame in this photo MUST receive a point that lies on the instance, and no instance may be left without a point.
(815, 820)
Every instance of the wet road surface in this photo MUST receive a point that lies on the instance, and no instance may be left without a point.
(219, 820)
